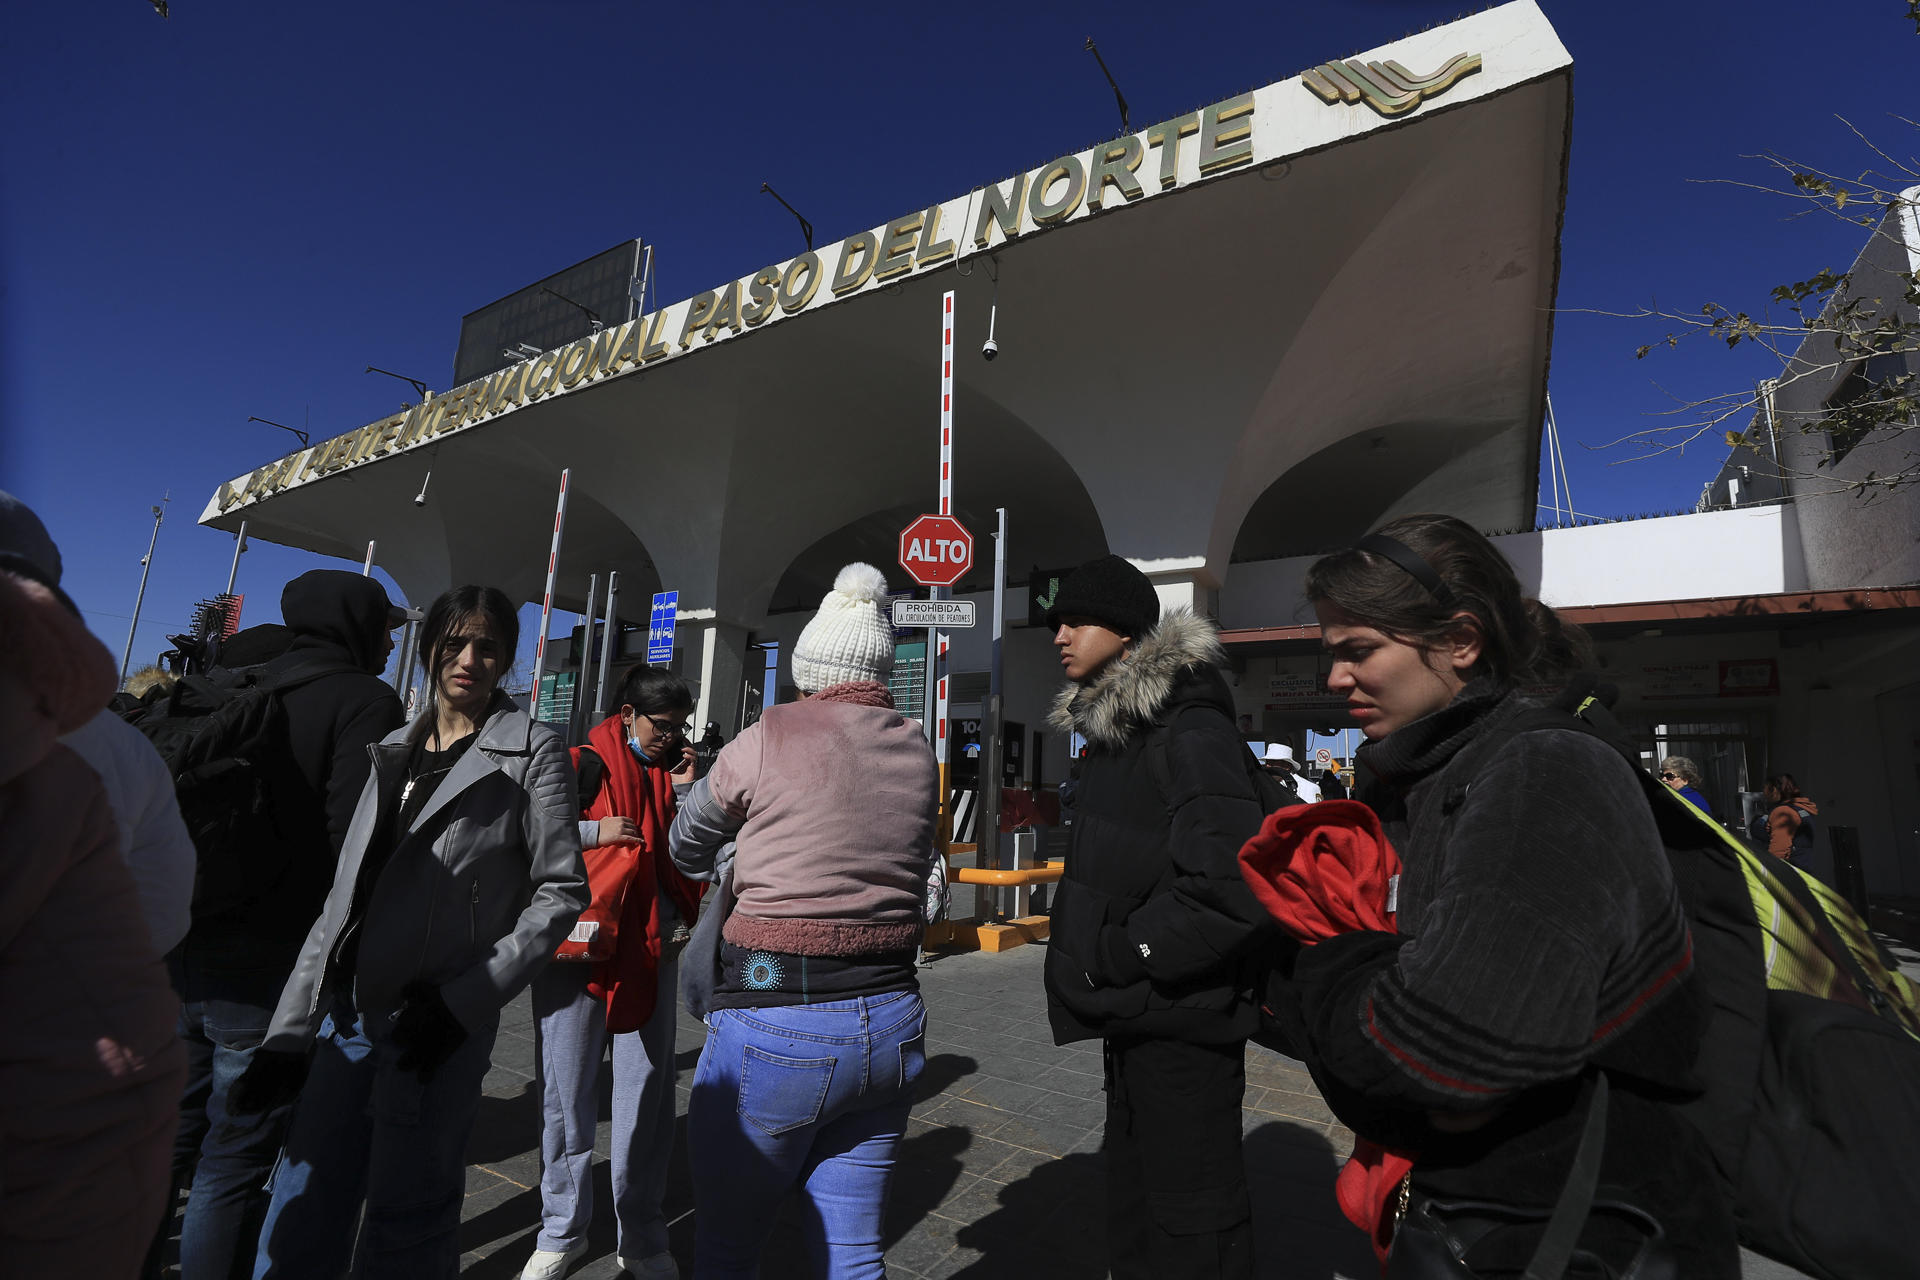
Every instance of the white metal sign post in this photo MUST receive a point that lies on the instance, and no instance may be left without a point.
(937, 640)
(546, 601)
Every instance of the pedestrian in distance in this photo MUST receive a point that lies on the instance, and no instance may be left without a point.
(248, 928)
(630, 770)
(1682, 776)
(91, 1071)
(1786, 827)
(1153, 929)
(815, 1028)
(459, 876)
(1539, 976)
(1279, 762)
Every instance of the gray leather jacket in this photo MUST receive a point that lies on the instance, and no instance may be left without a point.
(476, 895)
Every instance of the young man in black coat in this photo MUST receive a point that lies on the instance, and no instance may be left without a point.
(1153, 927)
(231, 968)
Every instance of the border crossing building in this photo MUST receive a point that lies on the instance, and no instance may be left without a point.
(1230, 341)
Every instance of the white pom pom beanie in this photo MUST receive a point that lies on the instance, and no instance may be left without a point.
(850, 638)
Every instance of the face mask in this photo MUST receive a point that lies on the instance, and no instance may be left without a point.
(640, 752)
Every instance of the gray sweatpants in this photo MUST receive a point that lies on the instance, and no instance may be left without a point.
(570, 1039)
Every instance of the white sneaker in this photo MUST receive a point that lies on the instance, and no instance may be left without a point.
(660, 1266)
(551, 1264)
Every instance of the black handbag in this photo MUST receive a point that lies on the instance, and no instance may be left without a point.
(1433, 1238)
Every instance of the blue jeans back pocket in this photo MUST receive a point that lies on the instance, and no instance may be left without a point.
(913, 1058)
(778, 1094)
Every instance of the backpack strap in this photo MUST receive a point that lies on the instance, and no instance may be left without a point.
(592, 771)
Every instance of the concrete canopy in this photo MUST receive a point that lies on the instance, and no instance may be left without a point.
(1185, 379)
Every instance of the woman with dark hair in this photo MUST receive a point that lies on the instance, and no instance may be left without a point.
(1540, 947)
(460, 874)
(1786, 828)
(634, 763)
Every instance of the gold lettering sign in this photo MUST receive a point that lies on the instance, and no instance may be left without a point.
(1387, 87)
(1042, 197)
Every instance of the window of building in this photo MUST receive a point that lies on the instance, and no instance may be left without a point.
(1869, 383)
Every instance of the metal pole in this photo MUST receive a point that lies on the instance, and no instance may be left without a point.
(366, 569)
(576, 722)
(992, 746)
(609, 635)
(146, 567)
(546, 601)
(239, 546)
(408, 634)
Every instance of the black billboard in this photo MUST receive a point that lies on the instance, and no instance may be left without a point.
(548, 313)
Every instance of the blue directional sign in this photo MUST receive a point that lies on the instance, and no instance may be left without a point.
(660, 627)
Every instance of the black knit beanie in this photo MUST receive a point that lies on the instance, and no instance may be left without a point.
(1111, 591)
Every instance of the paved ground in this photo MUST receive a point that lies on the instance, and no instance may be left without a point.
(1000, 1175)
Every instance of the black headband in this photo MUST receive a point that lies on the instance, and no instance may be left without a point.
(1409, 560)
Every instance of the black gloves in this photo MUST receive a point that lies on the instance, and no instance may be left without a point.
(425, 1030)
(272, 1079)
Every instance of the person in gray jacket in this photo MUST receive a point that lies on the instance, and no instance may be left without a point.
(460, 874)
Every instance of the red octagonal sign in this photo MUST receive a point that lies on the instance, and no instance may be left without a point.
(936, 551)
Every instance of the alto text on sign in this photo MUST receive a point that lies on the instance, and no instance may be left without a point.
(933, 613)
(936, 551)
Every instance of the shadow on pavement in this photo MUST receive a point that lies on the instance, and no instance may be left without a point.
(1049, 1223)
(1291, 1170)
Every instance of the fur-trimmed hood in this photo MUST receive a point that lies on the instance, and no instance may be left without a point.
(1134, 690)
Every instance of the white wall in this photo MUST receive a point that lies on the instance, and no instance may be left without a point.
(1754, 551)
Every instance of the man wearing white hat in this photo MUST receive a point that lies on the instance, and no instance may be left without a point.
(1280, 763)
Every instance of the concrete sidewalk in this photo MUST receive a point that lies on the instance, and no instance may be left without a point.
(999, 1176)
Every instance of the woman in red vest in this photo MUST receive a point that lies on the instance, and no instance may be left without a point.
(629, 770)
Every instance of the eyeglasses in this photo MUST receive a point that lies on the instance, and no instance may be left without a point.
(1667, 777)
(668, 728)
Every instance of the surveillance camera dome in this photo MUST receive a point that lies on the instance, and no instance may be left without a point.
(990, 349)
(419, 499)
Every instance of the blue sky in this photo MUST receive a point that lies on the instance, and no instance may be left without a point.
(233, 211)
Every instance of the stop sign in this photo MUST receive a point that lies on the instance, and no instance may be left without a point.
(936, 551)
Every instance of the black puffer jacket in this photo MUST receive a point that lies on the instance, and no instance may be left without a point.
(1153, 926)
(341, 708)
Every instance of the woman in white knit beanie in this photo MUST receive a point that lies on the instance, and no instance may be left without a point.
(849, 639)
(815, 1029)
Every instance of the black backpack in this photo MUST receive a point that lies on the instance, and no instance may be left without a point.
(1811, 1063)
(245, 802)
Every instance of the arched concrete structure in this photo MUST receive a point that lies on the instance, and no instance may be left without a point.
(1216, 315)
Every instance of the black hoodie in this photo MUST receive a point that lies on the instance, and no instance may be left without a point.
(339, 624)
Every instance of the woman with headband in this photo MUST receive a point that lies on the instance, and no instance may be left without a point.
(1540, 973)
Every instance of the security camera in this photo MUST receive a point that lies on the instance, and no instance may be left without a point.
(990, 349)
(420, 498)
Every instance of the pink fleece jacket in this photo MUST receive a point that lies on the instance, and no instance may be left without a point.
(839, 798)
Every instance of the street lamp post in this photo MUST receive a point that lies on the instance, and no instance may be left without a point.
(239, 547)
(146, 567)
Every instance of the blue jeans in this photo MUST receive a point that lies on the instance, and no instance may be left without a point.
(365, 1130)
(814, 1095)
(227, 999)
(570, 1038)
